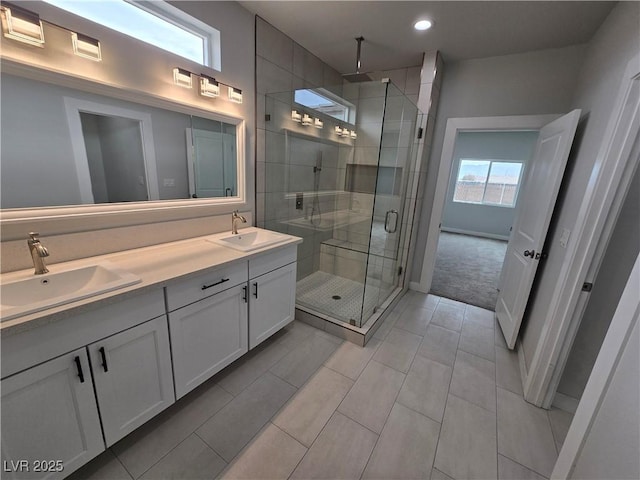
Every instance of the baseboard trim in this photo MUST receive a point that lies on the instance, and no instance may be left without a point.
(565, 402)
(416, 286)
(491, 236)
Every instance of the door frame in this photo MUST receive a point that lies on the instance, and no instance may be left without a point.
(623, 322)
(74, 107)
(455, 126)
(611, 175)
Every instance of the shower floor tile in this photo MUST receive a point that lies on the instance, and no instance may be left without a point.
(320, 289)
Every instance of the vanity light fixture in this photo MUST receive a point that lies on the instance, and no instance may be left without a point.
(22, 25)
(318, 123)
(295, 116)
(209, 87)
(353, 134)
(182, 77)
(423, 25)
(235, 94)
(306, 120)
(86, 47)
(338, 130)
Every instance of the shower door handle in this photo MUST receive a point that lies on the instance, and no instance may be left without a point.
(386, 221)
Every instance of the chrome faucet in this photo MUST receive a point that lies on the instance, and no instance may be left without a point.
(38, 253)
(234, 222)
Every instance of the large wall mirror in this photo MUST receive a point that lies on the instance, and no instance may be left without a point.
(66, 147)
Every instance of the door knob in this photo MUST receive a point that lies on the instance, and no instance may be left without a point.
(529, 253)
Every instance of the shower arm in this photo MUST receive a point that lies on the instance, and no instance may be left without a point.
(359, 40)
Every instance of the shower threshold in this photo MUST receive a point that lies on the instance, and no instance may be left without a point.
(316, 305)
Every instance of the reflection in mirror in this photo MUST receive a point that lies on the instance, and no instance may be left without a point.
(323, 101)
(214, 169)
(115, 157)
(62, 146)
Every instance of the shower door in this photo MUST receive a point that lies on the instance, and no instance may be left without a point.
(388, 230)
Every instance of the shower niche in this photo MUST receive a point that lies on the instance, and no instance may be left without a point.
(337, 175)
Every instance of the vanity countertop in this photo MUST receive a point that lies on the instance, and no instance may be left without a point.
(157, 266)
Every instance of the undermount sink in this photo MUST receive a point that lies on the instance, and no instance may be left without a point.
(249, 239)
(39, 292)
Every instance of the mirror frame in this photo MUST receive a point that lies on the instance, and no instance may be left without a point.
(14, 222)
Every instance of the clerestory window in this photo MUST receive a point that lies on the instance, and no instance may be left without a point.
(154, 22)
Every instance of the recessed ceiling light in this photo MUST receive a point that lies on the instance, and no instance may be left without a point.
(423, 25)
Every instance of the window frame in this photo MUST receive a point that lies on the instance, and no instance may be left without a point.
(486, 182)
(210, 36)
(349, 108)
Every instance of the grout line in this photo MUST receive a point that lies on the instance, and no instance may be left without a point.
(176, 446)
(444, 412)
(523, 466)
(215, 451)
(120, 462)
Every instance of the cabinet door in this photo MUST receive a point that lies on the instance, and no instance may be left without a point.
(272, 305)
(49, 412)
(208, 335)
(133, 378)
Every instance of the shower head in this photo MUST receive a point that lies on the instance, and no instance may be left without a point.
(357, 77)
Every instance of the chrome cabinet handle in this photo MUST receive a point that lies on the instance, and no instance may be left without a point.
(386, 221)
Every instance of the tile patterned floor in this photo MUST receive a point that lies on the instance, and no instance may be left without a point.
(434, 395)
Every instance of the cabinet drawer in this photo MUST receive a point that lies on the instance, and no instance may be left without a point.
(205, 285)
(270, 261)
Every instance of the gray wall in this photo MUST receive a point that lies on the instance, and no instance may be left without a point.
(621, 252)
(485, 219)
(611, 447)
(531, 83)
(608, 54)
(37, 158)
(123, 159)
(91, 134)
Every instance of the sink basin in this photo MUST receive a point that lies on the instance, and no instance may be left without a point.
(249, 239)
(39, 292)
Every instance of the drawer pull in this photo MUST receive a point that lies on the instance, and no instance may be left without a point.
(104, 359)
(204, 287)
(79, 368)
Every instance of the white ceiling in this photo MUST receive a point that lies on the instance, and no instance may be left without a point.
(462, 30)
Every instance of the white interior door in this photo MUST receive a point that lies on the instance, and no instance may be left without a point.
(532, 219)
(208, 163)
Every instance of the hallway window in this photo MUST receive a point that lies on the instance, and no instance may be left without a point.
(156, 23)
(488, 182)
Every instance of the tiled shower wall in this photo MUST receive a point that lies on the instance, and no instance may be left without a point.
(282, 65)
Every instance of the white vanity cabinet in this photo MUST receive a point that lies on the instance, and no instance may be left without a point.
(132, 376)
(273, 293)
(208, 334)
(49, 412)
(57, 398)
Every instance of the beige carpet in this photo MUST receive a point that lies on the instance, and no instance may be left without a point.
(468, 269)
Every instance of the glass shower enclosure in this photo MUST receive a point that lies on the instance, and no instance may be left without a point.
(338, 162)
